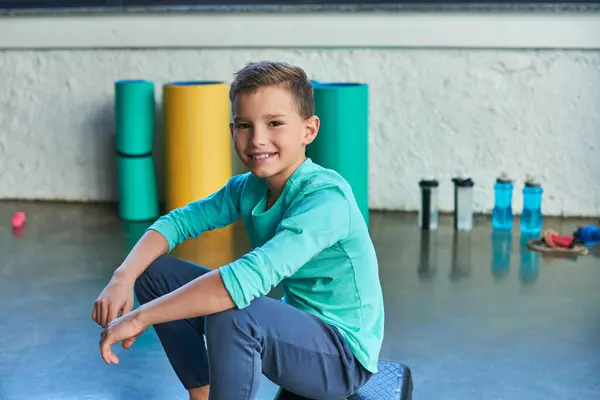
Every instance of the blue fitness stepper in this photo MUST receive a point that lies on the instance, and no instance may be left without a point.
(393, 381)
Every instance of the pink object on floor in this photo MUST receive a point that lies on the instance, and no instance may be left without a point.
(18, 220)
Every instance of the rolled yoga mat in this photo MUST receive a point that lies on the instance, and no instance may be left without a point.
(137, 190)
(343, 140)
(134, 138)
(198, 148)
(134, 117)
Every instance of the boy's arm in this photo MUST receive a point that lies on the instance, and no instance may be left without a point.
(216, 211)
(321, 219)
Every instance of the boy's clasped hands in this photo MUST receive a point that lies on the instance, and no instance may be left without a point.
(116, 298)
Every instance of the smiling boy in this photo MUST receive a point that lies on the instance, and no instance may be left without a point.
(307, 233)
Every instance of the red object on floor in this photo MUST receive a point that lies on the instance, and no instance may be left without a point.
(18, 220)
(562, 240)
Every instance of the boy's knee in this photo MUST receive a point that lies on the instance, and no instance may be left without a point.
(233, 320)
(222, 321)
(145, 285)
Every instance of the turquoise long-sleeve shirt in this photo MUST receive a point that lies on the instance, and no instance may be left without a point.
(313, 241)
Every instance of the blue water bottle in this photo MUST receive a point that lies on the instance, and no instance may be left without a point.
(531, 217)
(502, 215)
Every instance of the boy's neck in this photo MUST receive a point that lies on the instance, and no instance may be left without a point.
(277, 183)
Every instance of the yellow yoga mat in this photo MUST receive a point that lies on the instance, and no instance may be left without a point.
(212, 249)
(198, 146)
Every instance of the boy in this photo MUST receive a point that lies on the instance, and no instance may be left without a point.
(323, 339)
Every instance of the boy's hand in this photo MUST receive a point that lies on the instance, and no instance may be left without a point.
(126, 328)
(117, 296)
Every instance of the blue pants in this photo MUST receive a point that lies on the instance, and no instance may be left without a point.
(292, 348)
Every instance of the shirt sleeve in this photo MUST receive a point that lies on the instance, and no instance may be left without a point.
(319, 220)
(215, 211)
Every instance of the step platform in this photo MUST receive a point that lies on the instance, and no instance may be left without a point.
(393, 381)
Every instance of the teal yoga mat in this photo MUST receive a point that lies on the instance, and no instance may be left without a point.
(134, 117)
(137, 189)
(343, 140)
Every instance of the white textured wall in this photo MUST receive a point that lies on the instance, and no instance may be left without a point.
(433, 113)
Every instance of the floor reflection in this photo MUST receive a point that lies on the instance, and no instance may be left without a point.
(501, 251)
(529, 267)
(427, 256)
(461, 255)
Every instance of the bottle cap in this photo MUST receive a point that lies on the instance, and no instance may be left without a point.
(428, 183)
(463, 182)
(503, 178)
(530, 181)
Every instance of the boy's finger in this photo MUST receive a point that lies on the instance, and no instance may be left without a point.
(94, 313)
(113, 312)
(99, 315)
(106, 355)
(105, 349)
(127, 343)
(104, 308)
(128, 307)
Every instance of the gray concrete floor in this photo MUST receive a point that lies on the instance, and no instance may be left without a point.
(474, 315)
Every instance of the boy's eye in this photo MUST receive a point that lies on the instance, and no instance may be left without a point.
(275, 123)
(242, 126)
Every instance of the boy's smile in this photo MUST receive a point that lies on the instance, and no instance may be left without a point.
(270, 135)
(259, 157)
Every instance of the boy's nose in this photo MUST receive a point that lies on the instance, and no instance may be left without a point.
(259, 137)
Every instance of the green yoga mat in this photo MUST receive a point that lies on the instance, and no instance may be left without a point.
(137, 189)
(343, 140)
(134, 117)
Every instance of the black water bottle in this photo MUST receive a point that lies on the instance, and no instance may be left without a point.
(428, 213)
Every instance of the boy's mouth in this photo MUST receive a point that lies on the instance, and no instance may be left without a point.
(262, 156)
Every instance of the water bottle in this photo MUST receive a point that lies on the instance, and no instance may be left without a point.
(463, 204)
(502, 215)
(428, 213)
(531, 217)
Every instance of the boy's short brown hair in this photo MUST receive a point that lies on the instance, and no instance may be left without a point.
(266, 73)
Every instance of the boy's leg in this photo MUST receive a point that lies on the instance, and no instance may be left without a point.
(294, 349)
(183, 341)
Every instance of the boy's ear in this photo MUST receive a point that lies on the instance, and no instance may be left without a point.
(311, 129)
(231, 128)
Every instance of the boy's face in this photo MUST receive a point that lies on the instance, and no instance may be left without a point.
(269, 134)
